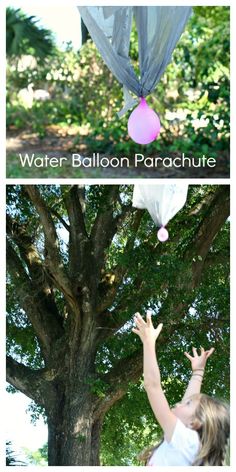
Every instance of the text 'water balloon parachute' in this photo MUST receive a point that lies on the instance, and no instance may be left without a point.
(159, 29)
(162, 203)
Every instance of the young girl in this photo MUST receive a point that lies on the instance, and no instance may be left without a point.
(196, 430)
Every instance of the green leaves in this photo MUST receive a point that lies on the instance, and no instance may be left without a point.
(24, 36)
(98, 387)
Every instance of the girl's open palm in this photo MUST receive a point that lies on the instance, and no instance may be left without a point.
(199, 361)
(145, 329)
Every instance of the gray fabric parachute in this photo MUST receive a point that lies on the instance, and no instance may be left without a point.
(159, 29)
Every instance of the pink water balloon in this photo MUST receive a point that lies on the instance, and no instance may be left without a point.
(162, 234)
(143, 124)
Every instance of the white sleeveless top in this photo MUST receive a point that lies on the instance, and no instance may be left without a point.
(181, 450)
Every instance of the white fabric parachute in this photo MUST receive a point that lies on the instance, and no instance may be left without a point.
(161, 201)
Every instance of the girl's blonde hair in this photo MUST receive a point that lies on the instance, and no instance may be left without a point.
(213, 426)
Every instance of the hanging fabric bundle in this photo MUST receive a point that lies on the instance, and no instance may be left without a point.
(159, 29)
(162, 203)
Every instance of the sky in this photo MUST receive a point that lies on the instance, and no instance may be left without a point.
(63, 21)
(19, 430)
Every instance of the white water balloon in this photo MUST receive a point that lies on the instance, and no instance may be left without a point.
(162, 234)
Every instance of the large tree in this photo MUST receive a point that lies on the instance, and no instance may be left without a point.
(81, 260)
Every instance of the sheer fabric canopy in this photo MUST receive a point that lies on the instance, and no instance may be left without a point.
(161, 201)
(159, 29)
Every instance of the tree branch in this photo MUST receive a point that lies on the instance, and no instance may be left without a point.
(38, 309)
(120, 270)
(53, 258)
(203, 205)
(30, 382)
(105, 226)
(214, 219)
(30, 255)
(79, 239)
(126, 370)
(59, 217)
(214, 258)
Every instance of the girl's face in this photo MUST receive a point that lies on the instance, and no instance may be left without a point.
(185, 410)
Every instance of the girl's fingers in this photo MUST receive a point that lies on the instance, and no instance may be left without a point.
(194, 352)
(204, 353)
(188, 356)
(140, 319)
(210, 352)
(136, 331)
(159, 328)
(149, 318)
(140, 324)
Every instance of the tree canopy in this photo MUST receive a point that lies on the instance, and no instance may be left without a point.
(81, 261)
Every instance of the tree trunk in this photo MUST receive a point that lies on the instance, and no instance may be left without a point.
(95, 441)
(73, 422)
(73, 432)
(55, 441)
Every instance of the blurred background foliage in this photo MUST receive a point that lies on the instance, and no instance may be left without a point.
(74, 90)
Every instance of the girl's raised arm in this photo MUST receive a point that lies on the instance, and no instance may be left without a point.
(198, 363)
(152, 379)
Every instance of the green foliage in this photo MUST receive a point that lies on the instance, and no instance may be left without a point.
(36, 412)
(192, 97)
(20, 333)
(98, 387)
(131, 427)
(39, 457)
(24, 36)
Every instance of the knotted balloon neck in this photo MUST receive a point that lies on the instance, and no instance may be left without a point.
(143, 102)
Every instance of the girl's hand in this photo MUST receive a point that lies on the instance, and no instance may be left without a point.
(199, 361)
(146, 330)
